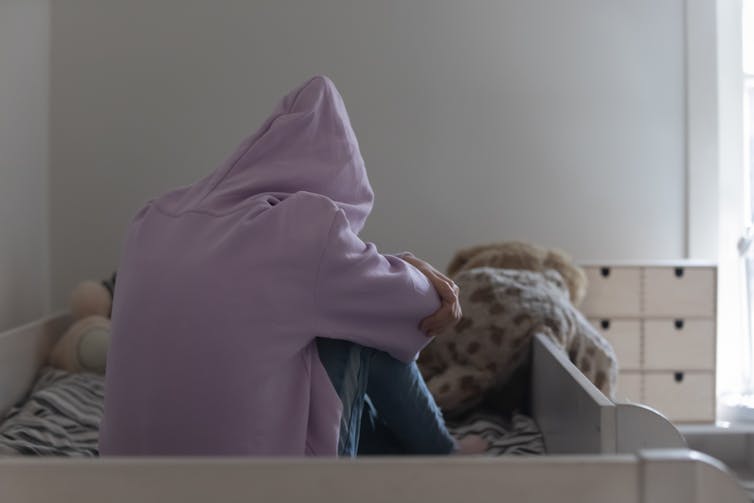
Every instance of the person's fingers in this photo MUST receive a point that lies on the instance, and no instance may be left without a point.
(445, 287)
(443, 317)
(435, 321)
(429, 323)
(448, 316)
(449, 312)
(457, 312)
(445, 290)
(441, 276)
(447, 280)
(444, 278)
(451, 298)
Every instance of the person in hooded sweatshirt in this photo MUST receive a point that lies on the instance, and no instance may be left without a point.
(249, 318)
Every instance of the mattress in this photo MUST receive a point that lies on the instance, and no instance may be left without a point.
(62, 413)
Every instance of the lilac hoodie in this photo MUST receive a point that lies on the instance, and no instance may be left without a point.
(223, 286)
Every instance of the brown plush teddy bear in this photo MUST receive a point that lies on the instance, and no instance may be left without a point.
(526, 256)
(83, 346)
(508, 292)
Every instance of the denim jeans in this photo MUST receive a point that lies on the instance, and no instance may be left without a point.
(387, 408)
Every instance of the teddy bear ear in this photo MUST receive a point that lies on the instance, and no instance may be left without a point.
(574, 276)
(460, 260)
(580, 283)
(455, 265)
(464, 256)
(90, 298)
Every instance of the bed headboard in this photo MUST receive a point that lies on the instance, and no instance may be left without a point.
(23, 350)
(573, 415)
(576, 418)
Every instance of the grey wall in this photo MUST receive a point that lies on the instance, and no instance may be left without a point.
(24, 87)
(557, 122)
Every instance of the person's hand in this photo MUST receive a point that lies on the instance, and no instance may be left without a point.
(450, 311)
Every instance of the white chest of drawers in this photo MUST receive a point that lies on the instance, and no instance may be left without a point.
(661, 319)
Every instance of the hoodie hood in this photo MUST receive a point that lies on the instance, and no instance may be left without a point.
(306, 144)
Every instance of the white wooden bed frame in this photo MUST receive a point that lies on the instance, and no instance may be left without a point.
(597, 451)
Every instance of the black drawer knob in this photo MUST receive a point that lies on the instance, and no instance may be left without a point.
(678, 376)
(605, 271)
(605, 324)
(679, 324)
(679, 272)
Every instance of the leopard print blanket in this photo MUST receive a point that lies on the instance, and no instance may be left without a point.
(502, 310)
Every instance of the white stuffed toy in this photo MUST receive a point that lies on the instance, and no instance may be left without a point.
(83, 347)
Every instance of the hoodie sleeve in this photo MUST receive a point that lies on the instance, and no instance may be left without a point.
(371, 299)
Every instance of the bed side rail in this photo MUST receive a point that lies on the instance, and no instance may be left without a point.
(577, 418)
(23, 350)
(573, 415)
(681, 476)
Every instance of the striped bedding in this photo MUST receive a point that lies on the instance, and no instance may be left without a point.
(518, 435)
(61, 417)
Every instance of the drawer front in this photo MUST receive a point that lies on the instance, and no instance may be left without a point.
(612, 291)
(625, 337)
(681, 396)
(679, 344)
(679, 291)
(629, 387)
